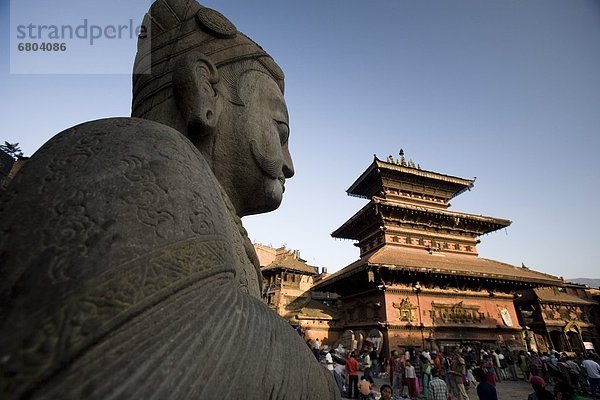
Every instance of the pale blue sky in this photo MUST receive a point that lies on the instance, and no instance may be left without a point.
(507, 91)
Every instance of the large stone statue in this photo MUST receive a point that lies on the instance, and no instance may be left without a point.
(125, 272)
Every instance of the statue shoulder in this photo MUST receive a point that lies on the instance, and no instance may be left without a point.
(112, 138)
(106, 219)
(101, 194)
(136, 183)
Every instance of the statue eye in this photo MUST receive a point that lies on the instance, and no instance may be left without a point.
(284, 131)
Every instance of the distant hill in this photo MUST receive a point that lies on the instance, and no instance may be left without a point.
(593, 283)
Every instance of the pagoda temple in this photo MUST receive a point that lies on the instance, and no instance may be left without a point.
(419, 281)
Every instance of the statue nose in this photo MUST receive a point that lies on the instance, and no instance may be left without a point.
(288, 170)
(288, 165)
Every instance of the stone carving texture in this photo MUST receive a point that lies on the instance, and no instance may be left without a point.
(125, 271)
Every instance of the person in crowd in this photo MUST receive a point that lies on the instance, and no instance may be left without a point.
(437, 360)
(437, 389)
(352, 371)
(387, 393)
(485, 390)
(545, 373)
(535, 364)
(411, 378)
(488, 366)
(382, 362)
(446, 374)
(339, 373)
(578, 380)
(510, 364)
(495, 356)
(398, 378)
(553, 367)
(539, 389)
(592, 369)
(374, 356)
(471, 357)
(426, 377)
(457, 370)
(503, 364)
(329, 360)
(316, 349)
(364, 389)
(427, 355)
(367, 367)
(392, 362)
(483, 352)
(524, 365)
(418, 364)
(470, 378)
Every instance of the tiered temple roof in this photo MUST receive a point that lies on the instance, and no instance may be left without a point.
(406, 228)
(390, 210)
(410, 182)
(440, 267)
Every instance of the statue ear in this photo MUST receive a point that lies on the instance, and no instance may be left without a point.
(194, 77)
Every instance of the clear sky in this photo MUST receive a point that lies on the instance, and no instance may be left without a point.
(506, 91)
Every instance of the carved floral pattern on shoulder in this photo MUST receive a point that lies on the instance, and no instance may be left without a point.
(109, 301)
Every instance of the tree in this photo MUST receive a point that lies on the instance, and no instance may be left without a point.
(12, 149)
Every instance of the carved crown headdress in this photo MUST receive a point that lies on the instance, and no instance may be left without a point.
(175, 27)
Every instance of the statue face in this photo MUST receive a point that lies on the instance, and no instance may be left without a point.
(260, 160)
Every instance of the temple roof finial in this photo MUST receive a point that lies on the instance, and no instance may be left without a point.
(402, 159)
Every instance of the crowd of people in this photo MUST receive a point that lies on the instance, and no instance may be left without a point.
(569, 376)
(435, 375)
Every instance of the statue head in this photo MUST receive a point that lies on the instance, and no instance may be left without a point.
(196, 73)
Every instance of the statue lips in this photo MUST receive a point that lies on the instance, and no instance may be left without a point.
(271, 166)
(282, 180)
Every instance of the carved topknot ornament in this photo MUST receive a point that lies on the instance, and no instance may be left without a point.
(215, 23)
